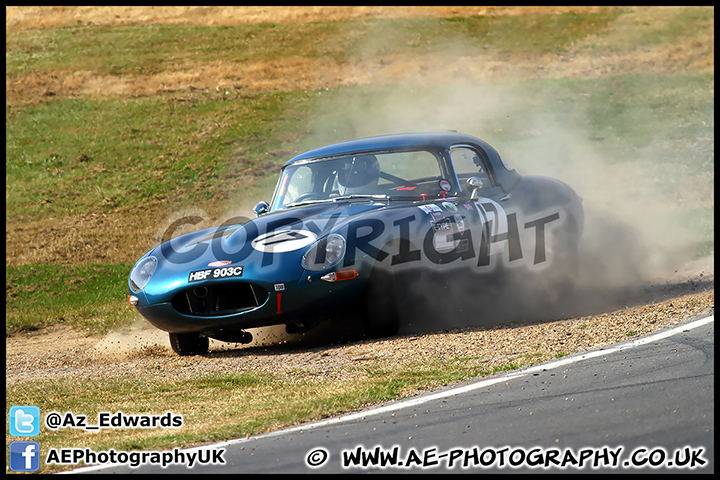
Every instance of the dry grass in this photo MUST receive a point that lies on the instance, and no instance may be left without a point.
(19, 18)
(592, 58)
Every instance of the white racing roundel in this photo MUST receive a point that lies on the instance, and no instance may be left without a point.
(283, 241)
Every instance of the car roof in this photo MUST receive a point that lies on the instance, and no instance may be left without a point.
(504, 175)
(401, 140)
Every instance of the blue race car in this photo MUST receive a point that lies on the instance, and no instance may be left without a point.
(347, 226)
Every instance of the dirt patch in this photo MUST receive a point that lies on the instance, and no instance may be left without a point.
(324, 355)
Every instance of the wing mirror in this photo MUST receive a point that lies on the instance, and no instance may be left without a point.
(261, 208)
(475, 185)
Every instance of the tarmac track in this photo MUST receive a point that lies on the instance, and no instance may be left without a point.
(643, 406)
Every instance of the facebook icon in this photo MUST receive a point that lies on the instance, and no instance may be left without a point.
(24, 456)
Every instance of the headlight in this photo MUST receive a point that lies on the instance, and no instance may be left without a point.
(141, 273)
(324, 253)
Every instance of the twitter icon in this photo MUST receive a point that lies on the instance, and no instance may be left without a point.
(24, 421)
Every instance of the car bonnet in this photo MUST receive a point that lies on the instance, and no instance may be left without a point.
(269, 248)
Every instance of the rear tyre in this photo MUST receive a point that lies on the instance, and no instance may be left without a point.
(379, 306)
(559, 282)
(187, 344)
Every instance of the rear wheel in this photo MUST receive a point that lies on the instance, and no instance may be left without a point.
(559, 281)
(186, 344)
(379, 306)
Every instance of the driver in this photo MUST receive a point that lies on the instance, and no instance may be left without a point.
(358, 175)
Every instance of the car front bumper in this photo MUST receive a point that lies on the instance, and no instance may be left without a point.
(310, 300)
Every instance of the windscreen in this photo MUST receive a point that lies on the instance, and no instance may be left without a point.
(415, 173)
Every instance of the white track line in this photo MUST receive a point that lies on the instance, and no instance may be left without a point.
(395, 406)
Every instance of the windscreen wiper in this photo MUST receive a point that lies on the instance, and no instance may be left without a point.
(361, 196)
(355, 196)
(307, 202)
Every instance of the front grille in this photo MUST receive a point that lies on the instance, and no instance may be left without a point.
(220, 299)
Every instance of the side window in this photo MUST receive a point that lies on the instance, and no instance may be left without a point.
(410, 165)
(468, 163)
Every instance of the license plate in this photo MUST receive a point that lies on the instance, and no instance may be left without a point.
(214, 273)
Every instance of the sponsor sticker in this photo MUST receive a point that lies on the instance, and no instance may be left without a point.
(450, 206)
(443, 235)
(432, 208)
(220, 263)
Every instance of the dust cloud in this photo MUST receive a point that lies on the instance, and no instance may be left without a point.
(634, 243)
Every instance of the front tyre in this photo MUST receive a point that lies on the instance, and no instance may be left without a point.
(187, 344)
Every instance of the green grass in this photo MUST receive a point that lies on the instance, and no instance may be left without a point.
(635, 111)
(701, 220)
(144, 49)
(87, 297)
(111, 153)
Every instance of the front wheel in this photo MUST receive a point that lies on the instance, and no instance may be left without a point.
(187, 344)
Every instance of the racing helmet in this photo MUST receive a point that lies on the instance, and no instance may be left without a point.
(358, 174)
